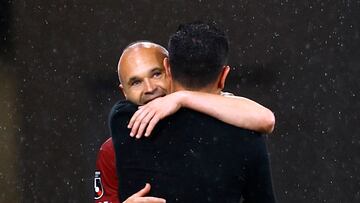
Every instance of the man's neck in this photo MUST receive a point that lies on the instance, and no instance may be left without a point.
(208, 89)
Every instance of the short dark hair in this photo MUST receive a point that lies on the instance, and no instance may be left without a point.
(197, 53)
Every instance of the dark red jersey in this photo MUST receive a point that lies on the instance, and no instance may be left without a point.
(106, 180)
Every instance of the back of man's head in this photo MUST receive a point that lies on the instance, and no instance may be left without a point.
(198, 51)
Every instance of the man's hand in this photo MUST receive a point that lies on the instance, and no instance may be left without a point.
(151, 113)
(139, 197)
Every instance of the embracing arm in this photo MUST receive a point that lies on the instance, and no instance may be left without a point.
(234, 110)
(237, 111)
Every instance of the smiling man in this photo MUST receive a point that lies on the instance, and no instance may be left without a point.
(142, 74)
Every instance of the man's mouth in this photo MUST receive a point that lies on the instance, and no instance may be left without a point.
(152, 97)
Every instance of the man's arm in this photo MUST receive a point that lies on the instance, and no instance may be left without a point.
(234, 110)
(259, 186)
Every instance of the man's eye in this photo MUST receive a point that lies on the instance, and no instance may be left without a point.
(136, 82)
(157, 74)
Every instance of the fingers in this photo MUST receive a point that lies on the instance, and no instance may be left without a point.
(142, 109)
(151, 125)
(139, 197)
(136, 121)
(143, 191)
(134, 117)
(152, 200)
(145, 200)
(145, 119)
(144, 123)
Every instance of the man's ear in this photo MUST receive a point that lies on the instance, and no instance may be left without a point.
(121, 88)
(166, 64)
(223, 75)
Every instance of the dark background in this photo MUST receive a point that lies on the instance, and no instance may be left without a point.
(58, 82)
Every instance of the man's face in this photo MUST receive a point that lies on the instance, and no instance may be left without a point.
(142, 75)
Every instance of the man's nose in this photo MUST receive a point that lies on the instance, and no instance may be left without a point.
(149, 86)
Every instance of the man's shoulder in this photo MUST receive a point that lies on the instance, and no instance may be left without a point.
(123, 106)
(119, 118)
(196, 121)
(107, 146)
(106, 154)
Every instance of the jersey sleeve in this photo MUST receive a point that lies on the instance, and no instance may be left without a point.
(106, 180)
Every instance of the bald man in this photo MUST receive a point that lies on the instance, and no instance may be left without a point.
(143, 79)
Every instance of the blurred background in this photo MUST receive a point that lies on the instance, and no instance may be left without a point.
(58, 82)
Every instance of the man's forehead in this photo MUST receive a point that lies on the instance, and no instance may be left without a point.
(139, 53)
